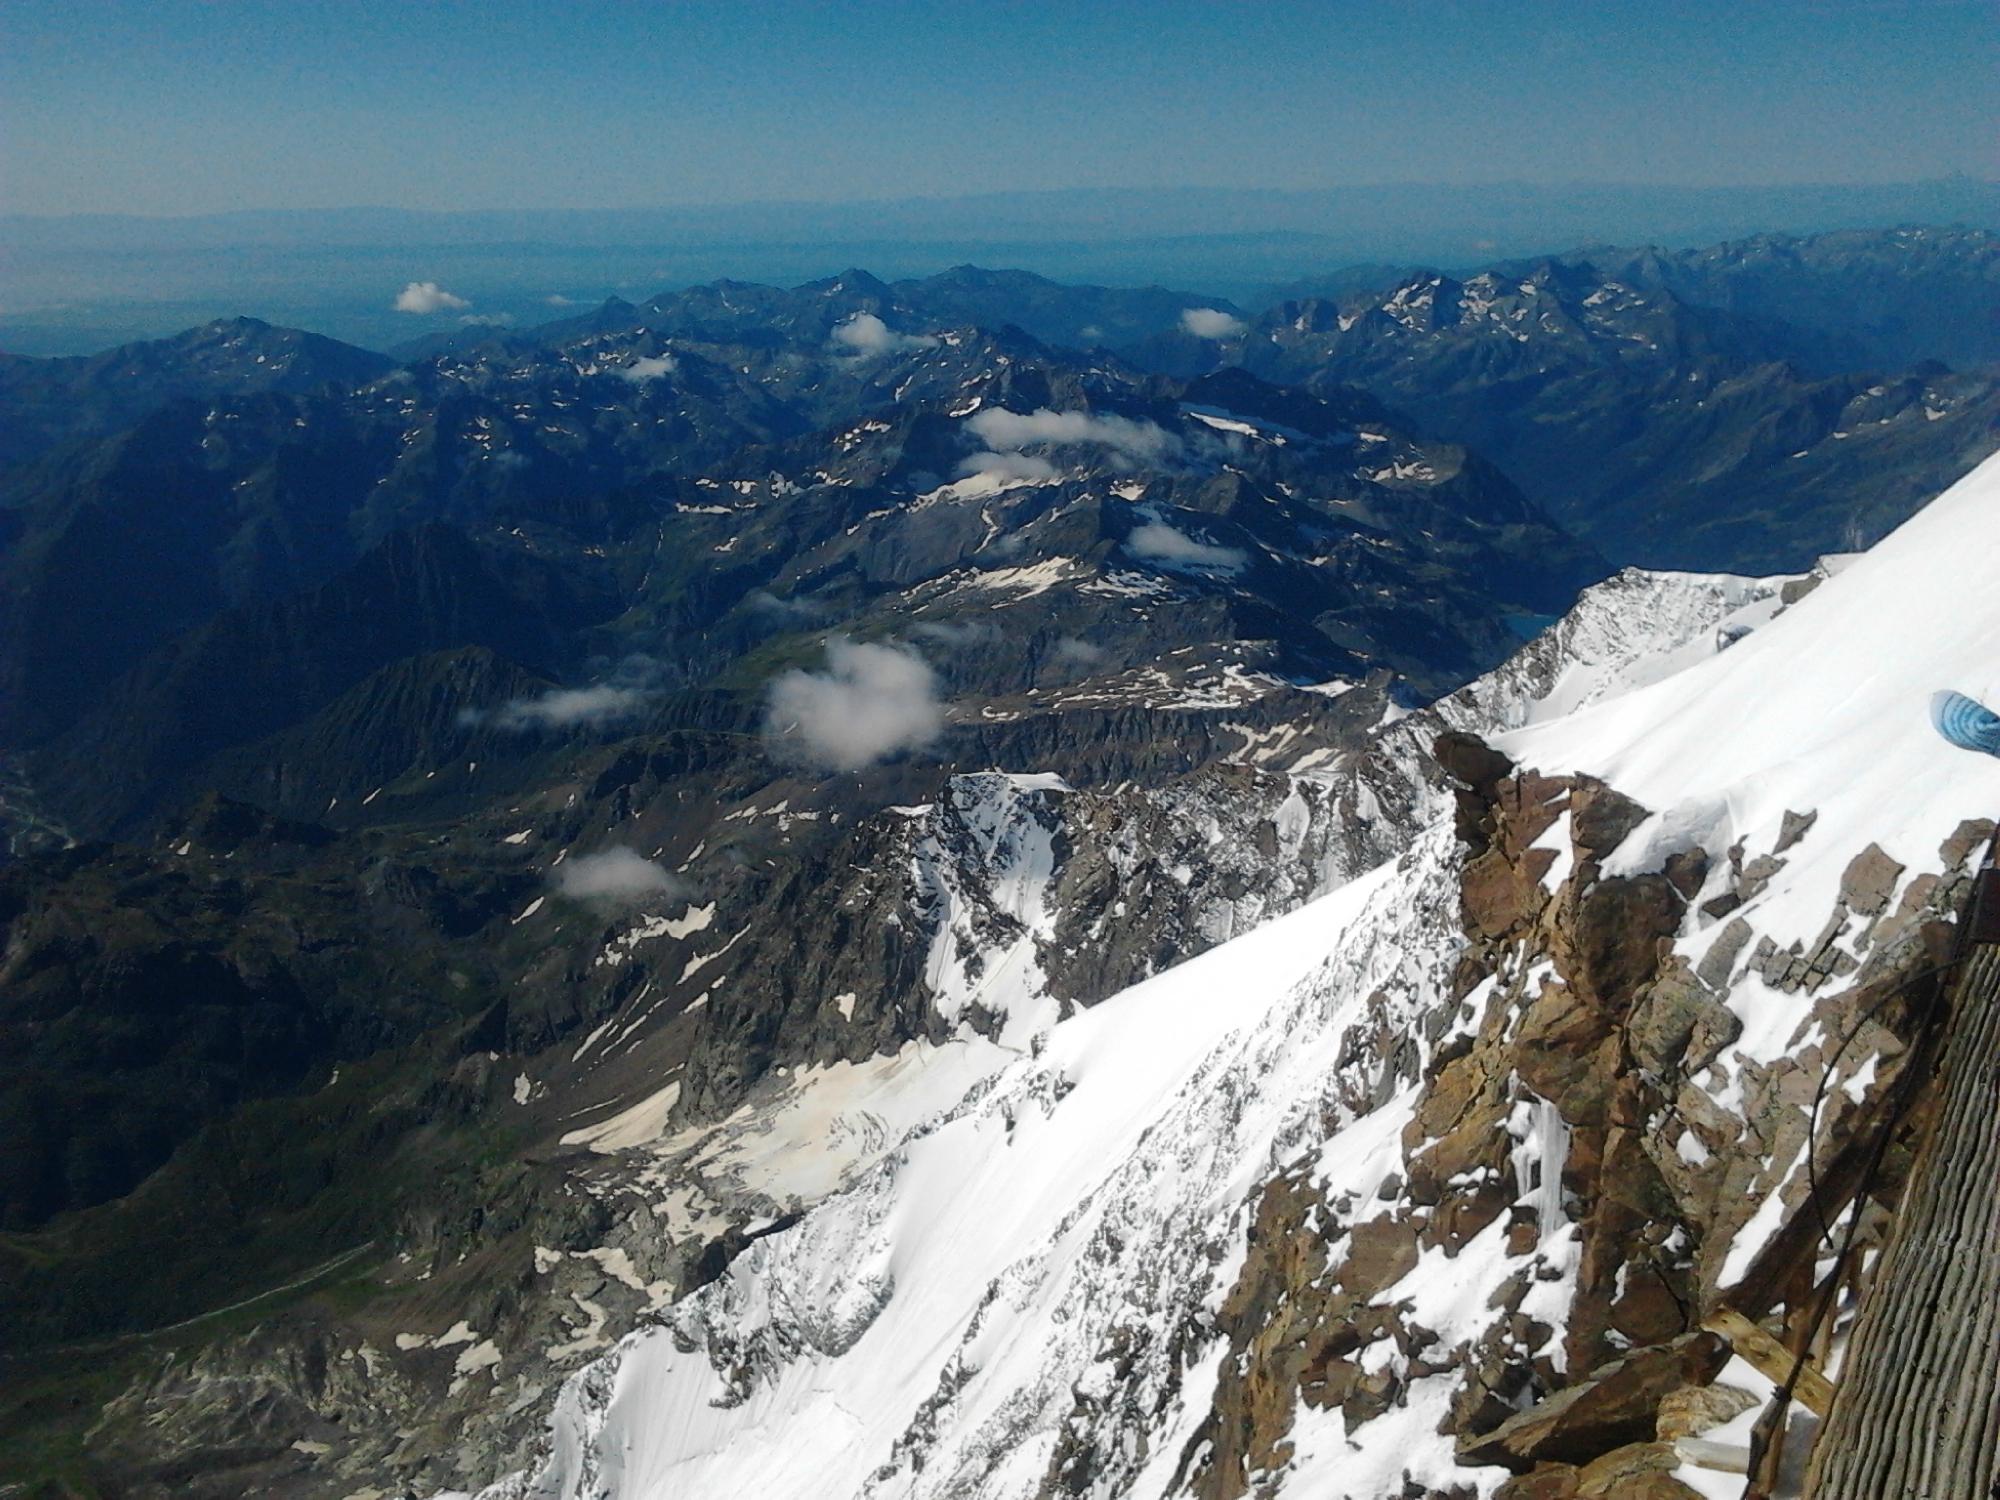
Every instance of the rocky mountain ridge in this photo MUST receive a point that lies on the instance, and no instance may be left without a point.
(428, 509)
(1717, 434)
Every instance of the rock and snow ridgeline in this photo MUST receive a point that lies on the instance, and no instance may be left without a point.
(1332, 1207)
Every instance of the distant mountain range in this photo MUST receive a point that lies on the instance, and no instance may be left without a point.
(81, 283)
(1743, 407)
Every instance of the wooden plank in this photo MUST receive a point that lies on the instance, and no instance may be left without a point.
(1720, 1458)
(1983, 925)
(1918, 1412)
(1771, 1358)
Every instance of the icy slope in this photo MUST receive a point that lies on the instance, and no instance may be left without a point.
(1635, 628)
(928, 1332)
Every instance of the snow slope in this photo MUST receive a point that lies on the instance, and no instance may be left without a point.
(943, 1311)
(1041, 1270)
(1825, 709)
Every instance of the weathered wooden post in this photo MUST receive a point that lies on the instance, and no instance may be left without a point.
(1916, 1409)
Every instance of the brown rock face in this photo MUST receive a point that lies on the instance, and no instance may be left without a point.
(1549, 1482)
(1480, 768)
(1616, 1405)
(1666, 1021)
(1970, 836)
(1380, 1253)
(1615, 937)
(1642, 1471)
(1870, 881)
(1470, 759)
(1638, 1471)
(1296, 1323)
(1500, 896)
(1685, 871)
(1696, 1409)
(1794, 827)
(1600, 817)
(1560, 1051)
(1606, 1038)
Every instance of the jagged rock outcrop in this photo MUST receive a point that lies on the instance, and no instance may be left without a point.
(1560, 1109)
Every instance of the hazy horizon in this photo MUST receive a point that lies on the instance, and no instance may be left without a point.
(704, 209)
(75, 285)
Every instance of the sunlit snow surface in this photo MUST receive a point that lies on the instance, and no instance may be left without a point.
(970, 1282)
(928, 1331)
(1825, 709)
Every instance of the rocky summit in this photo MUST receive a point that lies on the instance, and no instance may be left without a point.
(970, 886)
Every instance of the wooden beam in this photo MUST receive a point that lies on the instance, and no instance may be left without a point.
(1772, 1359)
(1720, 1458)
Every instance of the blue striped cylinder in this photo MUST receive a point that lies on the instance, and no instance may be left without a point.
(1968, 724)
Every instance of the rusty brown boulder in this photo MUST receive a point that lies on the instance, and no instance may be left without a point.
(1616, 1405)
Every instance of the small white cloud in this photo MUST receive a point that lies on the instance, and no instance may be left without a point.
(647, 367)
(1010, 431)
(955, 636)
(565, 708)
(870, 703)
(1163, 544)
(488, 320)
(615, 877)
(1211, 323)
(1008, 468)
(1080, 654)
(864, 333)
(426, 297)
(557, 299)
(764, 602)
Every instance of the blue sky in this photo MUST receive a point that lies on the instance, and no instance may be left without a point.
(173, 106)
